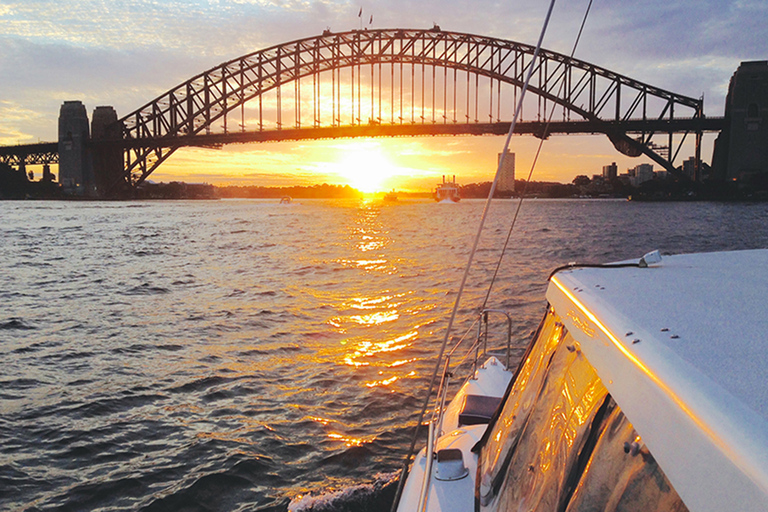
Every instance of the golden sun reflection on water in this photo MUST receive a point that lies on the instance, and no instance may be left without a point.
(369, 243)
(375, 318)
(368, 348)
(372, 302)
(349, 441)
(373, 265)
(320, 420)
(335, 436)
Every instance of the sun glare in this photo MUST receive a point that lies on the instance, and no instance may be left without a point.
(366, 168)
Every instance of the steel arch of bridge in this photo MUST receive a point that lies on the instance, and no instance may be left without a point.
(606, 101)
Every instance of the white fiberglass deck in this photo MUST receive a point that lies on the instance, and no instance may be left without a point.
(490, 379)
(682, 346)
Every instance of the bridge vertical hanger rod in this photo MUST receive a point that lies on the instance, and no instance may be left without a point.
(261, 92)
(498, 91)
(392, 93)
(190, 107)
(206, 103)
(490, 91)
(545, 87)
(697, 155)
(401, 87)
(359, 89)
(445, 95)
(514, 87)
(296, 91)
(334, 84)
(392, 88)
(224, 95)
(352, 79)
(373, 80)
(670, 158)
(423, 93)
(567, 86)
(455, 85)
(279, 73)
(469, 58)
(315, 96)
(434, 79)
(381, 116)
(477, 89)
(318, 79)
(413, 83)
(242, 97)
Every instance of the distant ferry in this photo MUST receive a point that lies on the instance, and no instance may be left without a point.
(390, 197)
(447, 191)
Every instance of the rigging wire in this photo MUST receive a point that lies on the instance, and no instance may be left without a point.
(535, 159)
(518, 108)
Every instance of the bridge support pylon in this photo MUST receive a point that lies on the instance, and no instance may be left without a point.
(107, 158)
(75, 165)
(741, 149)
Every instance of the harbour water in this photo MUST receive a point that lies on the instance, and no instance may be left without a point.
(245, 355)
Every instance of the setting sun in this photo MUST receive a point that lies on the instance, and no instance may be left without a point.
(366, 168)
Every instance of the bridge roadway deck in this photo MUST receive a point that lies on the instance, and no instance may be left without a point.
(536, 128)
(40, 153)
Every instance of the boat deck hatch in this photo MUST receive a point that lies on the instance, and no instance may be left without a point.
(478, 409)
(450, 465)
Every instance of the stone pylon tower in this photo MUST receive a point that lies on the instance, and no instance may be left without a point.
(107, 159)
(741, 150)
(75, 166)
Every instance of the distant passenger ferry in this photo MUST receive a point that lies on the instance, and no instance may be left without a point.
(447, 191)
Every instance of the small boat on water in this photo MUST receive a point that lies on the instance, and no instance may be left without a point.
(447, 191)
(644, 388)
(390, 197)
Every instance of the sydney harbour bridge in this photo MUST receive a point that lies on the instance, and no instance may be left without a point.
(369, 83)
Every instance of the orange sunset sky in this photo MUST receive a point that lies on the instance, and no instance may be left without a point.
(125, 54)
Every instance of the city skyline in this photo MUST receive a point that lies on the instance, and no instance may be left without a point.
(108, 53)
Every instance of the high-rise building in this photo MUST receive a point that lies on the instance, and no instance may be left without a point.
(689, 168)
(507, 178)
(610, 171)
(643, 173)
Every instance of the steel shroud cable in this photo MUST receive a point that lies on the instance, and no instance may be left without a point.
(518, 108)
(533, 166)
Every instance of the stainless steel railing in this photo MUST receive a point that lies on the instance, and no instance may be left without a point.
(438, 413)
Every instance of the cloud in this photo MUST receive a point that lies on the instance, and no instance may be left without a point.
(126, 53)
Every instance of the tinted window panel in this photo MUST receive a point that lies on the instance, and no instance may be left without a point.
(622, 475)
(505, 431)
(557, 429)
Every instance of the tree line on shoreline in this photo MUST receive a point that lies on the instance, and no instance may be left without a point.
(15, 185)
(323, 191)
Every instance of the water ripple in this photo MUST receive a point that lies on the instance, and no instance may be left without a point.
(229, 356)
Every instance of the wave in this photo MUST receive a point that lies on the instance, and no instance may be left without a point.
(373, 497)
(146, 289)
(15, 323)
